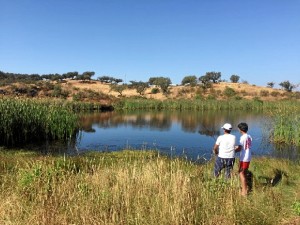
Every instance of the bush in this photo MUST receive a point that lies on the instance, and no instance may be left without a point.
(58, 92)
(229, 92)
(154, 90)
(275, 93)
(238, 98)
(264, 93)
(211, 97)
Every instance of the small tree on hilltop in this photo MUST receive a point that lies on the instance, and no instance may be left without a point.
(189, 80)
(87, 76)
(270, 84)
(162, 82)
(118, 88)
(104, 79)
(205, 82)
(108, 79)
(139, 86)
(234, 78)
(214, 76)
(287, 86)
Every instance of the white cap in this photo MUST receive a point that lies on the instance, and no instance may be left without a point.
(227, 126)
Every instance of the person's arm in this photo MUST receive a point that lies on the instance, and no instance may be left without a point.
(216, 149)
(237, 148)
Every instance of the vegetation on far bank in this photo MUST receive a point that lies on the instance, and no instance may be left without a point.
(106, 89)
(136, 187)
(24, 120)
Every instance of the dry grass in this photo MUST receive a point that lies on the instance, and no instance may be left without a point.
(246, 90)
(138, 188)
(106, 95)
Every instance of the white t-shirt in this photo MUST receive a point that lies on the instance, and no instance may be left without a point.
(246, 143)
(226, 144)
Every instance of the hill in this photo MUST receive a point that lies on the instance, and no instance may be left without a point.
(102, 93)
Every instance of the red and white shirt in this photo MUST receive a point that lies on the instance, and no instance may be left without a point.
(246, 143)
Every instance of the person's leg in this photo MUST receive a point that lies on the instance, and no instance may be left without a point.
(243, 183)
(218, 166)
(229, 167)
(242, 171)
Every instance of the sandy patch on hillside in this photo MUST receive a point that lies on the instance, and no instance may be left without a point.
(246, 91)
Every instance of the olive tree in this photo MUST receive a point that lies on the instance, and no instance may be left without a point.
(270, 84)
(189, 80)
(162, 82)
(118, 88)
(287, 86)
(234, 78)
(214, 76)
(139, 86)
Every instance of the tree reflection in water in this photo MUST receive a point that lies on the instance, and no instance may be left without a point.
(192, 133)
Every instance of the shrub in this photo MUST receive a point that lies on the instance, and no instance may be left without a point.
(264, 93)
(229, 92)
(275, 93)
(211, 97)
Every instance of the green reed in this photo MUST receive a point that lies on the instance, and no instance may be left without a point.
(140, 188)
(23, 120)
(286, 124)
(197, 104)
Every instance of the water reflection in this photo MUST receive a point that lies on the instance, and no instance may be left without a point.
(179, 133)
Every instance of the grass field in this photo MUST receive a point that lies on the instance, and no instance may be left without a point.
(137, 187)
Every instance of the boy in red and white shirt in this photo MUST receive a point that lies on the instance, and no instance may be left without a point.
(245, 155)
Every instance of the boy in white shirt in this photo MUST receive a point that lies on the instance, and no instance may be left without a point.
(245, 155)
(224, 148)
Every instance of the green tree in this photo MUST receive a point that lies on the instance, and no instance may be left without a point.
(205, 82)
(162, 82)
(87, 76)
(108, 79)
(270, 84)
(104, 79)
(287, 86)
(118, 88)
(70, 75)
(189, 80)
(140, 86)
(214, 76)
(234, 78)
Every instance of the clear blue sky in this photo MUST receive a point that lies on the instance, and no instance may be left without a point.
(259, 40)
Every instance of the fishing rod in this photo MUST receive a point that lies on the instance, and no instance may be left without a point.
(211, 134)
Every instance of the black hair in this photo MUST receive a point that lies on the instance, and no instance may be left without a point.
(227, 131)
(243, 127)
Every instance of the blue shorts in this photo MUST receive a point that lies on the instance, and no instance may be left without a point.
(222, 163)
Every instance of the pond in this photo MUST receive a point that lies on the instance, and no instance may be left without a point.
(189, 134)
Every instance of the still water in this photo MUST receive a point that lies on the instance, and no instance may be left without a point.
(188, 134)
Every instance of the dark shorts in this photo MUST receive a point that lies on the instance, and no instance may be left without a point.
(222, 163)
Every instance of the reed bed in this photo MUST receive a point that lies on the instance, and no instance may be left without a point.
(139, 188)
(183, 104)
(23, 120)
(286, 125)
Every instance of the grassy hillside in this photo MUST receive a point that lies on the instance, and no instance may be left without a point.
(95, 91)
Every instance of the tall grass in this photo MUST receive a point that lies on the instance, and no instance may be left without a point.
(198, 104)
(25, 120)
(139, 188)
(286, 124)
